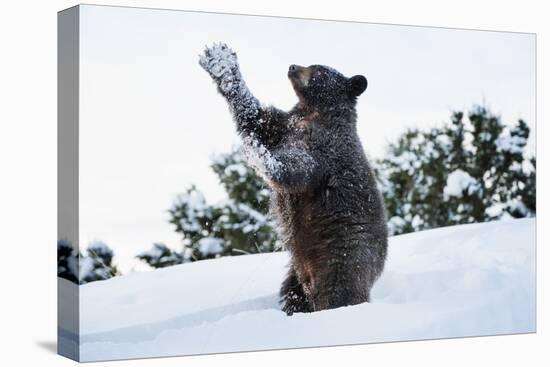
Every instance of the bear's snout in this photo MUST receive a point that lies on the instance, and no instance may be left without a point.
(294, 70)
(299, 76)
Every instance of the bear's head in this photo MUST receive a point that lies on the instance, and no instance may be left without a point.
(319, 85)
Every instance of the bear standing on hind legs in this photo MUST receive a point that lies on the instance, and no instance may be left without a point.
(329, 212)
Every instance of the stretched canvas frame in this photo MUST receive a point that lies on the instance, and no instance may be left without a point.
(504, 271)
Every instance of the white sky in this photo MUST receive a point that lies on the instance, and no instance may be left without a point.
(150, 117)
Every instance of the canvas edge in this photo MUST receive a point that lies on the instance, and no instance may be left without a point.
(68, 321)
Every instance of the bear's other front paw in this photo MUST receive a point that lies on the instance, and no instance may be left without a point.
(294, 302)
(220, 61)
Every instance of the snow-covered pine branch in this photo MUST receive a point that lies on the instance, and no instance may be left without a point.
(474, 169)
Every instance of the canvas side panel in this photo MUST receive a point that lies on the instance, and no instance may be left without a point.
(67, 182)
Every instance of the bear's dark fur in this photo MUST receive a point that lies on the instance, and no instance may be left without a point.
(324, 196)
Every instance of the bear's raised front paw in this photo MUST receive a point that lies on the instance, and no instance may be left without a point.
(220, 61)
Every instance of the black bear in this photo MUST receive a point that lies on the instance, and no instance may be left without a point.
(329, 212)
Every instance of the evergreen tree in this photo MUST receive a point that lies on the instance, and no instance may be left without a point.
(238, 225)
(67, 261)
(161, 256)
(473, 169)
(97, 263)
(464, 172)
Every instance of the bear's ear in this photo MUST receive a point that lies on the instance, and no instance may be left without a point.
(357, 85)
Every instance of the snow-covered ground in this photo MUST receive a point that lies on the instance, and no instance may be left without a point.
(457, 281)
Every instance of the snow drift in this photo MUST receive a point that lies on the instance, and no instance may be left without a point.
(459, 281)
